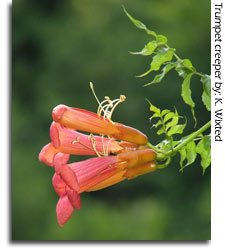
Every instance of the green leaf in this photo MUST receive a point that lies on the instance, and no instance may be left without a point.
(172, 123)
(181, 69)
(136, 22)
(206, 95)
(151, 32)
(160, 131)
(187, 63)
(166, 145)
(165, 56)
(159, 77)
(186, 93)
(182, 152)
(161, 39)
(206, 100)
(161, 57)
(204, 149)
(190, 152)
(168, 116)
(144, 74)
(156, 115)
(147, 50)
(153, 108)
(177, 129)
(165, 111)
(157, 124)
(206, 80)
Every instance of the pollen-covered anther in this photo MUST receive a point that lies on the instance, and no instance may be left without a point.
(122, 98)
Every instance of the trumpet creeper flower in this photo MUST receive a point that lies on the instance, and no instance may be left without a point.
(83, 120)
(69, 141)
(93, 174)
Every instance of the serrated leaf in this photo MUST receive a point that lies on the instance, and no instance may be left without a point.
(206, 95)
(166, 145)
(156, 115)
(187, 63)
(181, 69)
(206, 100)
(191, 152)
(157, 124)
(159, 77)
(147, 50)
(182, 157)
(186, 93)
(177, 129)
(153, 108)
(206, 80)
(161, 57)
(164, 112)
(204, 149)
(165, 56)
(144, 74)
(136, 22)
(161, 39)
(172, 123)
(160, 131)
(169, 116)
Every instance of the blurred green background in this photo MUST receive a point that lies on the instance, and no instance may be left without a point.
(58, 47)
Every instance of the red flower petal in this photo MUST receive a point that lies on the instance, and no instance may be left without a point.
(64, 210)
(59, 185)
(65, 171)
(74, 198)
(70, 141)
(47, 154)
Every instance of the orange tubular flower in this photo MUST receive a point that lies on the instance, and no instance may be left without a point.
(90, 122)
(96, 173)
(123, 154)
(69, 141)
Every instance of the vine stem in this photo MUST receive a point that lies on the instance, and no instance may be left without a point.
(189, 138)
(162, 155)
(152, 146)
(179, 59)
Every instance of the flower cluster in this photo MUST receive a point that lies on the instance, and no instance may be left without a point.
(120, 153)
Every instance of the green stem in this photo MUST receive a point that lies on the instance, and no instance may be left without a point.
(152, 147)
(189, 138)
(165, 164)
(179, 59)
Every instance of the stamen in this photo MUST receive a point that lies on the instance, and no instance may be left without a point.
(93, 143)
(92, 88)
(107, 148)
(93, 147)
(101, 108)
(105, 109)
(122, 99)
(103, 146)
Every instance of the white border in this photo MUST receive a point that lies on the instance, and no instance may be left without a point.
(4, 102)
(218, 163)
(218, 148)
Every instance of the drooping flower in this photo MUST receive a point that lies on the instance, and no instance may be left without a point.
(121, 153)
(93, 174)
